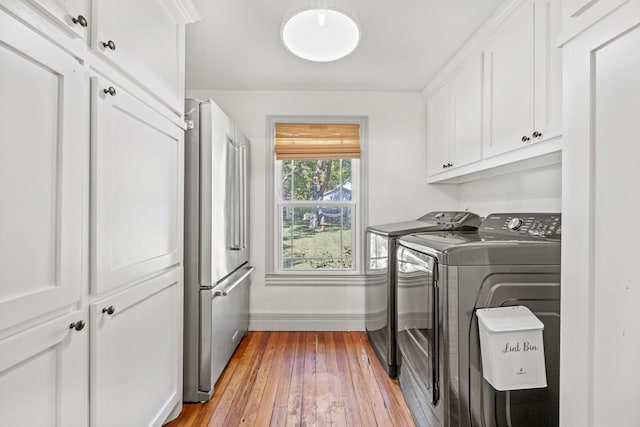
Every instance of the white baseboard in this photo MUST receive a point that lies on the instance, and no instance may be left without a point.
(306, 322)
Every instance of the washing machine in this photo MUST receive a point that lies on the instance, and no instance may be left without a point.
(380, 293)
(442, 279)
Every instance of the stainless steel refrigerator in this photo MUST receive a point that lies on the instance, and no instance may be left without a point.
(216, 250)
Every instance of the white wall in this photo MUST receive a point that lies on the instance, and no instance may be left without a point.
(536, 190)
(396, 176)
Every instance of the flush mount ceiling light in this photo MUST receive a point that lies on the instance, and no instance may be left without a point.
(320, 30)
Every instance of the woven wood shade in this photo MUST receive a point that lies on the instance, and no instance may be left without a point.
(301, 141)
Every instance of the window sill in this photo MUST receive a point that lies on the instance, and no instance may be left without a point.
(315, 279)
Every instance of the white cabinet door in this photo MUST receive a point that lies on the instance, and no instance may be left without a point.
(466, 100)
(600, 333)
(143, 39)
(509, 84)
(137, 179)
(43, 375)
(71, 15)
(439, 130)
(547, 115)
(42, 157)
(136, 353)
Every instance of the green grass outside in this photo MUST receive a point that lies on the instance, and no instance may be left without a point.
(314, 248)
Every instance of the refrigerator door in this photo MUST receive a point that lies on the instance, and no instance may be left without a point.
(224, 321)
(219, 196)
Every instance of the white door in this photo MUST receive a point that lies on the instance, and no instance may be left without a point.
(547, 116)
(136, 353)
(44, 375)
(137, 179)
(600, 332)
(43, 147)
(466, 95)
(143, 39)
(438, 130)
(509, 79)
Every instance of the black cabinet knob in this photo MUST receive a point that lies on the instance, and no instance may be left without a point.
(444, 166)
(109, 310)
(537, 134)
(110, 91)
(525, 138)
(80, 20)
(109, 45)
(78, 326)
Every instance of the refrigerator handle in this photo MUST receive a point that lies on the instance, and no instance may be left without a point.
(243, 198)
(227, 290)
(232, 197)
(237, 217)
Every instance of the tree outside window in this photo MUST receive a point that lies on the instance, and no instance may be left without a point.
(317, 209)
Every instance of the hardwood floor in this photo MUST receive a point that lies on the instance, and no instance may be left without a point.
(301, 379)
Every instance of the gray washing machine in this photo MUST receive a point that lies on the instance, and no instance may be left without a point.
(381, 275)
(442, 278)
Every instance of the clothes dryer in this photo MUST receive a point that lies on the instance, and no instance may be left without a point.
(380, 293)
(442, 279)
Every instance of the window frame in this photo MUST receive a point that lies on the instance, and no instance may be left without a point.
(275, 274)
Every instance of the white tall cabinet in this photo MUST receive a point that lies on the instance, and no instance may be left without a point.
(91, 177)
(600, 332)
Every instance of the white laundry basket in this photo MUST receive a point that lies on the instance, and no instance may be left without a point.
(512, 348)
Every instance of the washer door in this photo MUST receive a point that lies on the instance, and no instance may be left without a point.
(418, 314)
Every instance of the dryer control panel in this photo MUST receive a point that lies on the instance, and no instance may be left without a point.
(543, 226)
(457, 220)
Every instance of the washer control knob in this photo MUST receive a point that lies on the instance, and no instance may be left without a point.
(515, 224)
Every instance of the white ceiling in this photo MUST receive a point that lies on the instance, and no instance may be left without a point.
(404, 43)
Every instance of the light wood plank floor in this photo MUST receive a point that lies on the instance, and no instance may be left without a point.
(301, 379)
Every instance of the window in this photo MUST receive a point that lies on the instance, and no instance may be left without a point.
(316, 196)
(316, 235)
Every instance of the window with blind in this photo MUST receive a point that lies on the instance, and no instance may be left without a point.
(317, 196)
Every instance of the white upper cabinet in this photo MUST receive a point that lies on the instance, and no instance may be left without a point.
(439, 130)
(454, 119)
(466, 99)
(42, 159)
(43, 374)
(144, 40)
(523, 80)
(504, 109)
(509, 83)
(71, 15)
(137, 177)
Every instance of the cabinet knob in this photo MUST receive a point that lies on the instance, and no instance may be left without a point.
(110, 91)
(80, 20)
(525, 138)
(78, 326)
(109, 45)
(449, 165)
(537, 134)
(109, 310)
(444, 166)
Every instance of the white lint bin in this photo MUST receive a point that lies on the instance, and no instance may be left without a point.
(512, 348)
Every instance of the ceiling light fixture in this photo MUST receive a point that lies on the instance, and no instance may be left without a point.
(320, 30)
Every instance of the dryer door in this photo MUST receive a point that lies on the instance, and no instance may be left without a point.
(418, 314)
